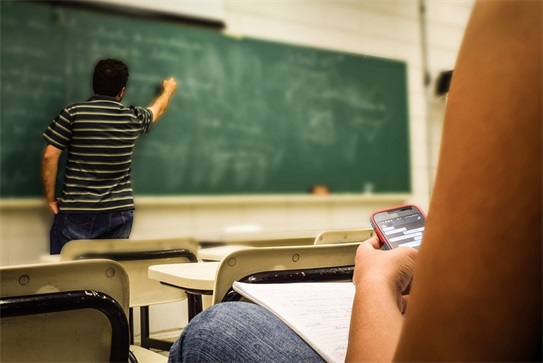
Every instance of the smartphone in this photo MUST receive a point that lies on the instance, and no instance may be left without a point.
(399, 226)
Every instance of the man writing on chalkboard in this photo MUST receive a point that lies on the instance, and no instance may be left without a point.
(99, 134)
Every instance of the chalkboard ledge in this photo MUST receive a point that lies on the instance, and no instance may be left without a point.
(152, 201)
(270, 199)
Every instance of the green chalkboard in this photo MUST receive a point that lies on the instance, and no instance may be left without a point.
(250, 116)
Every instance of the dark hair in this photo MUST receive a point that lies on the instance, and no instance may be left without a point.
(109, 77)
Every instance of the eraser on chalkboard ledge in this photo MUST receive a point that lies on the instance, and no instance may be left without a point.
(320, 189)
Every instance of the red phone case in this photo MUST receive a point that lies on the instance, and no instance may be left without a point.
(378, 231)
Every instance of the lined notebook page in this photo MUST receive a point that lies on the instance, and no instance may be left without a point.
(319, 312)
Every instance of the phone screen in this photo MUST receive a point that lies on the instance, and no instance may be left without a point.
(400, 227)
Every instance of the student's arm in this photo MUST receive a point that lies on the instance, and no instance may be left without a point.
(160, 104)
(476, 293)
(477, 289)
(49, 175)
(376, 318)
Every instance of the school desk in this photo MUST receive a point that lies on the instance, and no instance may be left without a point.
(196, 279)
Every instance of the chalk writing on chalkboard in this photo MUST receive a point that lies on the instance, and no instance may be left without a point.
(250, 116)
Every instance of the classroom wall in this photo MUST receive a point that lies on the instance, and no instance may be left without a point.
(385, 29)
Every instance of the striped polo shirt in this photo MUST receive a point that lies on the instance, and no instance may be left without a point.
(99, 135)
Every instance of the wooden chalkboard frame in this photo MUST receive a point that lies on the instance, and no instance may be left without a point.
(136, 12)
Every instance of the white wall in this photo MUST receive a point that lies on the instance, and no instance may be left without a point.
(446, 21)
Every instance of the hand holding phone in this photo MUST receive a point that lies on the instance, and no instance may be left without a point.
(401, 226)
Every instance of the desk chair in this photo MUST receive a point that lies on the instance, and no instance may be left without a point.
(344, 236)
(136, 256)
(72, 311)
(217, 253)
(283, 264)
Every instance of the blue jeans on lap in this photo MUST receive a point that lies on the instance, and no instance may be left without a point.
(70, 226)
(240, 332)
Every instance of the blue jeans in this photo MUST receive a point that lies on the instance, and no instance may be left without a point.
(70, 226)
(240, 332)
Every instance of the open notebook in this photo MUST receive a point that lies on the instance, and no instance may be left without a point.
(319, 312)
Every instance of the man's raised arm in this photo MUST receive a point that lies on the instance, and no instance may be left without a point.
(161, 103)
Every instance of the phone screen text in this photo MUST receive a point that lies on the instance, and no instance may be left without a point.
(403, 231)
